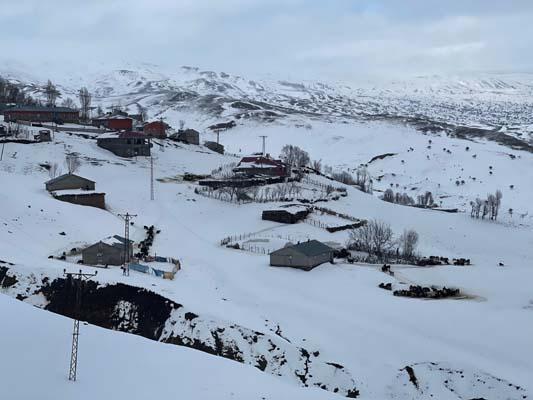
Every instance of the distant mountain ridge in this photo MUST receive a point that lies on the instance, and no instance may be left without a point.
(495, 102)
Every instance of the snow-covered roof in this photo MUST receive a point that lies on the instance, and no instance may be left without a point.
(74, 192)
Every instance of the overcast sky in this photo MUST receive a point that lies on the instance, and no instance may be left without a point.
(329, 39)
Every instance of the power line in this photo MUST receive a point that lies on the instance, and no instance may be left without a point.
(127, 218)
(78, 277)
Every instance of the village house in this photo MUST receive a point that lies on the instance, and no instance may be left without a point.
(117, 122)
(260, 166)
(76, 190)
(68, 182)
(126, 144)
(305, 255)
(156, 129)
(42, 114)
(109, 251)
(189, 136)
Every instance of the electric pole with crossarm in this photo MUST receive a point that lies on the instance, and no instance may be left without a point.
(78, 278)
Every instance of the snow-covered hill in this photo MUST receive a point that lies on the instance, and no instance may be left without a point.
(355, 335)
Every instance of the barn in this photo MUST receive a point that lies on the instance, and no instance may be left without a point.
(69, 182)
(305, 255)
(42, 114)
(109, 251)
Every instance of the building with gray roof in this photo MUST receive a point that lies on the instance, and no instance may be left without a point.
(305, 255)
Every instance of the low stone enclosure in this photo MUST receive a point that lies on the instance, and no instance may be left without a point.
(144, 313)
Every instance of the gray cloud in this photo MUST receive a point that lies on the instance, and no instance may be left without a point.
(339, 39)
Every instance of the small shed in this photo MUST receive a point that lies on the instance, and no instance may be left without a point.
(214, 146)
(69, 182)
(286, 215)
(109, 251)
(306, 255)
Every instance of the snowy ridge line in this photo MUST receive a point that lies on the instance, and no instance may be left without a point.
(145, 313)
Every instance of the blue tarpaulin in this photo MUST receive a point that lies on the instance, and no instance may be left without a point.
(158, 272)
(139, 268)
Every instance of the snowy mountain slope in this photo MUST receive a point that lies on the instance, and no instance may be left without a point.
(489, 101)
(335, 309)
(120, 366)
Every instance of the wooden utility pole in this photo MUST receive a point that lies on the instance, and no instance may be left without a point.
(79, 278)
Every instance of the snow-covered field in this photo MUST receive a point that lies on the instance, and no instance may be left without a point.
(336, 310)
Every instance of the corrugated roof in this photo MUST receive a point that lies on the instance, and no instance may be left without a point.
(310, 248)
(42, 109)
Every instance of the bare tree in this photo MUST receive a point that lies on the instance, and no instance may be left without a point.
(294, 156)
(375, 237)
(52, 94)
(181, 124)
(317, 165)
(408, 241)
(68, 102)
(54, 171)
(142, 112)
(99, 111)
(388, 196)
(85, 102)
(72, 161)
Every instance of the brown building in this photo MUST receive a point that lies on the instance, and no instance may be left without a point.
(261, 165)
(42, 114)
(156, 129)
(81, 198)
(115, 122)
(76, 190)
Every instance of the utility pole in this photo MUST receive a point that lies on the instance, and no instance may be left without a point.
(127, 218)
(264, 146)
(151, 176)
(2, 153)
(77, 277)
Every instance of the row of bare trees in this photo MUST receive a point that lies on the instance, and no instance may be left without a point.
(72, 164)
(377, 239)
(12, 93)
(488, 208)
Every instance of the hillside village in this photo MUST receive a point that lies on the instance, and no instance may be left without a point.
(232, 240)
